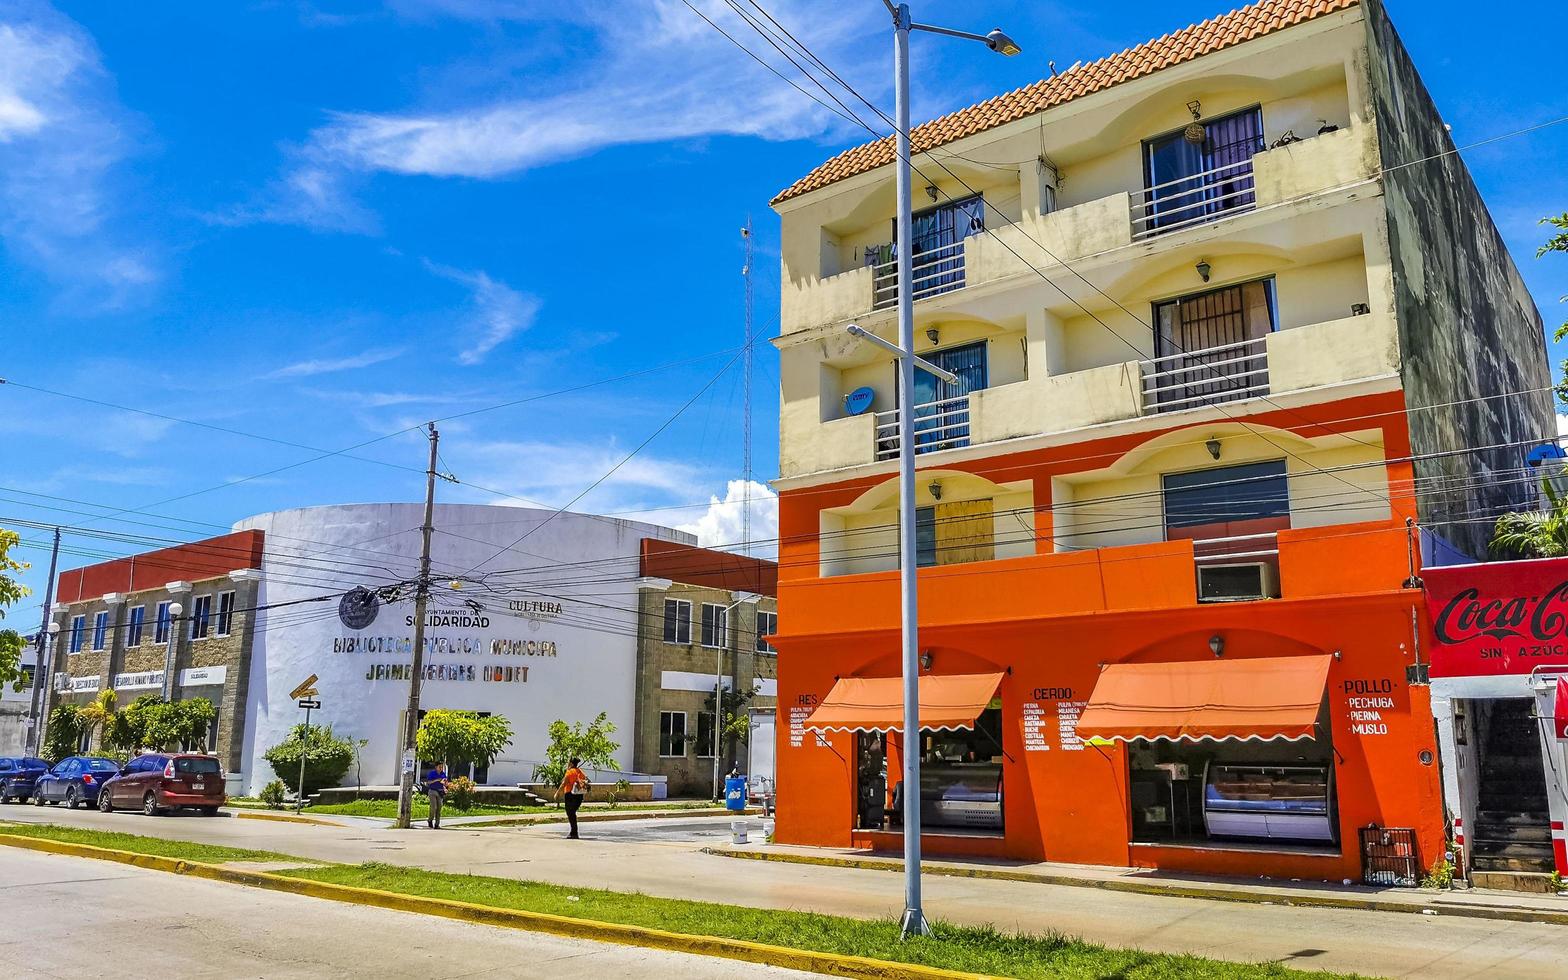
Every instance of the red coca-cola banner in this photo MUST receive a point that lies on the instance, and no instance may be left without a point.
(1501, 618)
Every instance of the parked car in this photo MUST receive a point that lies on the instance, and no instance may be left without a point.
(164, 781)
(74, 781)
(17, 776)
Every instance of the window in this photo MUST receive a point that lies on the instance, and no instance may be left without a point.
(133, 627)
(672, 734)
(78, 628)
(100, 629)
(212, 731)
(1192, 183)
(936, 250)
(197, 767)
(964, 764)
(705, 741)
(941, 408)
(715, 625)
(1209, 346)
(925, 537)
(86, 739)
(225, 613)
(201, 617)
(677, 621)
(1229, 501)
(160, 632)
(767, 625)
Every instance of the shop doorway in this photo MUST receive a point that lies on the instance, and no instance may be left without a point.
(1512, 830)
(960, 779)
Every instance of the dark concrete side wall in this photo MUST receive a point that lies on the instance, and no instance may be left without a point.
(1468, 326)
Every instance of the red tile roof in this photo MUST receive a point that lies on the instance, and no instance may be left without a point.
(1212, 35)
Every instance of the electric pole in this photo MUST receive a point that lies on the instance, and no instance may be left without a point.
(745, 519)
(405, 791)
(43, 652)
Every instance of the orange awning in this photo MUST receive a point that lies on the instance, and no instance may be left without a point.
(1275, 697)
(876, 704)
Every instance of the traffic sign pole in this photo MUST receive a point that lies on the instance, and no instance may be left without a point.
(304, 750)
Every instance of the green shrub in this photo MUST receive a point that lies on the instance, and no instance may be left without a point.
(618, 792)
(327, 758)
(272, 794)
(462, 738)
(64, 733)
(460, 792)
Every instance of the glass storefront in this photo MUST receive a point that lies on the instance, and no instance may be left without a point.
(960, 778)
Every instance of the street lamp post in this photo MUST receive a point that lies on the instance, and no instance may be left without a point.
(913, 921)
(718, 684)
(44, 659)
(175, 609)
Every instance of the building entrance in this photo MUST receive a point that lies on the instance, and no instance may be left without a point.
(1512, 829)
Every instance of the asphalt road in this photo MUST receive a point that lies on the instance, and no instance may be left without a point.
(76, 917)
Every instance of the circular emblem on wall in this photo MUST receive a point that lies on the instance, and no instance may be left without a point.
(358, 607)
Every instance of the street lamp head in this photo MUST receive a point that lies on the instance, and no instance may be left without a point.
(53, 628)
(175, 609)
(1001, 43)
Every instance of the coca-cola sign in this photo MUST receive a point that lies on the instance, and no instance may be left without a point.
(1502, 618)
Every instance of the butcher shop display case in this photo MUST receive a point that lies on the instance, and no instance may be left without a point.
(1265, 802)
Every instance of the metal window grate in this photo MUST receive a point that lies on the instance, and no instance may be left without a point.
(1389, 857)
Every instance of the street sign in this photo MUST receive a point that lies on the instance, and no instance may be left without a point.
(408, 763)
(308, 694)
(310, 704)
(304, 688)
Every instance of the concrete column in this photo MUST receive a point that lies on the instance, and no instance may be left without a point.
(232, 714)
(178, 592)
(1046, 344)
(1037, 189)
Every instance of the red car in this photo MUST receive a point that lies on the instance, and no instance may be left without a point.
(159, 782)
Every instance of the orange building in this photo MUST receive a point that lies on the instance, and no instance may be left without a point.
(1169, 606)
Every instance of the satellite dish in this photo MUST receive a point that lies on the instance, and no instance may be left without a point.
(1542, 453)
(857, 401)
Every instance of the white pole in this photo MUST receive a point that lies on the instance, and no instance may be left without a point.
(913, 922)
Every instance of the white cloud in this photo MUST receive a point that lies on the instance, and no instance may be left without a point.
(328, 365)
(643, 72)
(1562, 426)
(62, 136)
(721, 526)
(553, 473)
(499, 311)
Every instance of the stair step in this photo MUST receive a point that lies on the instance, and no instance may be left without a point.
(1483, 862)
(1514, 881)
(1510, 849)
(1514, 818)
(1511, 834)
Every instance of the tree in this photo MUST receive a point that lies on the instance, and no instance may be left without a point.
(327, 757)
(98, 713)
(151, 723)
(1534, 534)
(1558, 243)
(65, 732)
(11, 592)
(567, 742)
(462, 738)
(735, 720)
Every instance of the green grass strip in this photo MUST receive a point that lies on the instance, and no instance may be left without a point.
(961, 948)
(137, 844)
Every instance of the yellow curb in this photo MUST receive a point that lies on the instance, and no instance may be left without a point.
(537, 819)
(1166, 890)
(287, 818)
(558, 925)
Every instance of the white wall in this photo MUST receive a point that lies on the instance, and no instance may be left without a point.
(374, 545)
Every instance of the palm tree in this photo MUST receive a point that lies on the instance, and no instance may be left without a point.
(1534, 534)
(99, 712)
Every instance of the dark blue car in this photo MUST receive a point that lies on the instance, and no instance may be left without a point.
(17, 776)
(74, 781)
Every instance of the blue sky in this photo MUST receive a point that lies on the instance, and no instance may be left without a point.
(326, 222)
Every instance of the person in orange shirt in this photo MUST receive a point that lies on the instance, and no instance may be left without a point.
(575, 786)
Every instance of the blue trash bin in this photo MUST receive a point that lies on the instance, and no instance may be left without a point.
(735, 793)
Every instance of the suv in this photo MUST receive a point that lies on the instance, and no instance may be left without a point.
(166, 781)
(17, 776)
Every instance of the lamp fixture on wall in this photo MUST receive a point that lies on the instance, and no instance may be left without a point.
(1213, 446)
(1204, 269)
(1217, 644)
(931, 192)
(933, 334)
(1195, 133)
(925, 660)
(936, 490)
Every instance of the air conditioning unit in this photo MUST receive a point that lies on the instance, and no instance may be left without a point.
(1240, 582)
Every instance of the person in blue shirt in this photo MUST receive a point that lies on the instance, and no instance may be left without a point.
(435, 789)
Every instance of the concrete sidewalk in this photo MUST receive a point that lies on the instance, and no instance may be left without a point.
(1475, 903)
(1440, 945)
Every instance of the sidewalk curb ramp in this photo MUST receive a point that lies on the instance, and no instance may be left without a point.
(558, 925)
(286, 818)
(1169, 890)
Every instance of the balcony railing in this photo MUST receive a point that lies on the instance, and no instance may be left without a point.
(938, 425)
(1192, 379)
(1195, 200)
(940, 270)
